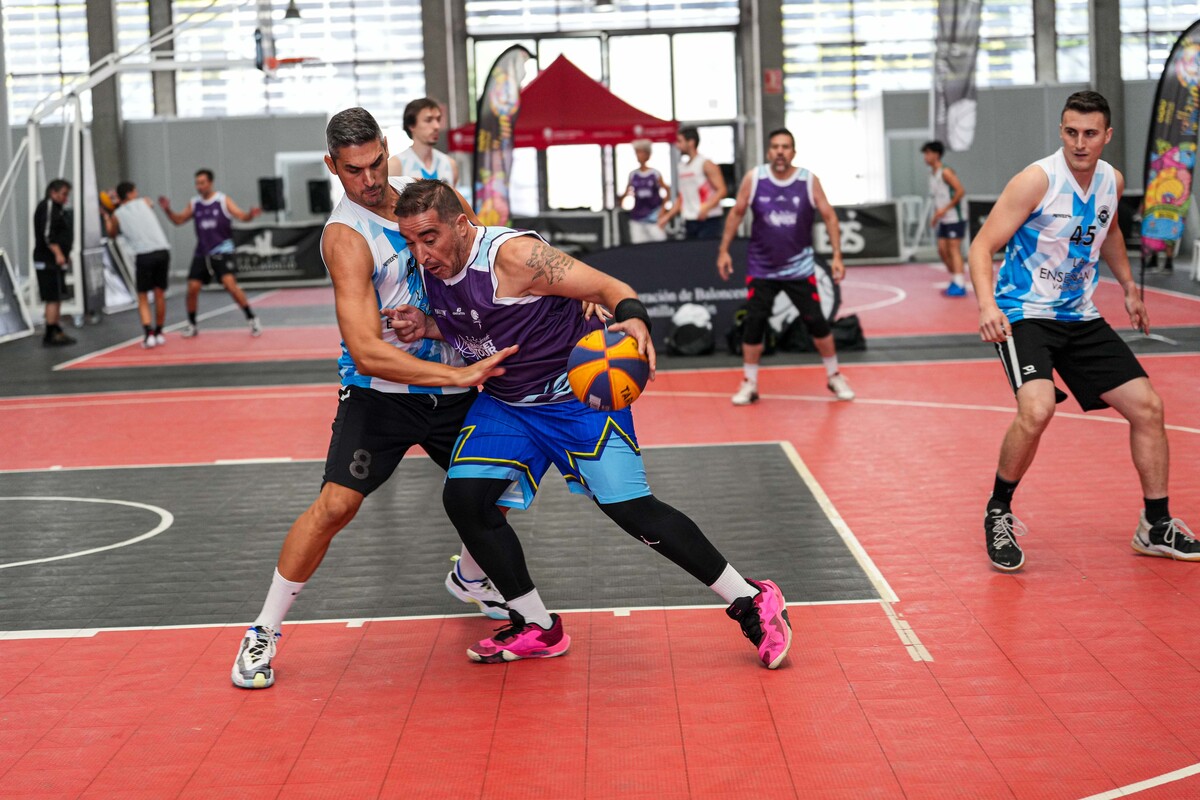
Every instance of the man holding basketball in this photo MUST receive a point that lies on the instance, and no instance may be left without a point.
(494, 288)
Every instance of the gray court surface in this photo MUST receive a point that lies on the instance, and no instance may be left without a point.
(214, 563)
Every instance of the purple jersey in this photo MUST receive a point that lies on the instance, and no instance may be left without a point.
(781, 235)
(646, 197)
(214, 228)
(478, 324)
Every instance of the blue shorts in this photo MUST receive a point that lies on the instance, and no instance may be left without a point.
(596, 451)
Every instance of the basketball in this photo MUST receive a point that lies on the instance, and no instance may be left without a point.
(606, 371)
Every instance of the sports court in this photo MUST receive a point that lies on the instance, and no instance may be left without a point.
(145, 495)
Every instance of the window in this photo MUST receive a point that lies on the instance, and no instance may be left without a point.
(1149, 29)
(45, 49)
(491, 17)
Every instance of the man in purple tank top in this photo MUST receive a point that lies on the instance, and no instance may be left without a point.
(213, 213)
(492, 288)
(780, 258)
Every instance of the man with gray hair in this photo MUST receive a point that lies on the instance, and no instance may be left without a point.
(393, 394)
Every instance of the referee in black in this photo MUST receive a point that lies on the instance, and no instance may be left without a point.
(52, 239)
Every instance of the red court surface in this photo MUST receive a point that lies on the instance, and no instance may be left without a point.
(222, 346)
(906, 300)
(311, 296)
(1072, 679)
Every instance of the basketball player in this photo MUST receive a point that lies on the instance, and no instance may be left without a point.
(647, 186)
(423, 124)
(780, 258)
(701, 187)
(134, 221)
(394, 395)
(1056, 219)
(517, 289)
(214, 214)
(946, 192)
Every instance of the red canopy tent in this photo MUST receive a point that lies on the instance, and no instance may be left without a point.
(562, 105)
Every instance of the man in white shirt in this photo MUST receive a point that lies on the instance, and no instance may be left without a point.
(423, 124)
(134, 220)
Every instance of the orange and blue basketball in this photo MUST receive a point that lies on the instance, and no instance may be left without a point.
(606, 371)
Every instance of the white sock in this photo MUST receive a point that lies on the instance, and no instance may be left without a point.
(280, 597)
(468, 570)
(751, 373)
(731, 585)
(831, 365)
(959, 280)
(530, 607)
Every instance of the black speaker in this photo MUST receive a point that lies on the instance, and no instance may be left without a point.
(320, 201)
(270, 194)
(727, 172)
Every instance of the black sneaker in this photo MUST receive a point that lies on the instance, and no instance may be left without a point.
(1167, 538)
(1000, 528)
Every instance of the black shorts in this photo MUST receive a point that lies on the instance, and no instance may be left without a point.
(1089, 356)
(373, 430)
(52, 282)
(204, 268)
(151, 270)
(804, 296)
(952, 230)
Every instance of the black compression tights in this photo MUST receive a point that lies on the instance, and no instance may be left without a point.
(471, 505)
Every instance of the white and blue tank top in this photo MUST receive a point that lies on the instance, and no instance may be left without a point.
(1050, 263)
(442, 169)
(397, 281)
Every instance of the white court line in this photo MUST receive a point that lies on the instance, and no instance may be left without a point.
(358, 622)
(907, 636)
(166, 518)
(1134, 788)
(899, 296)
(177, 326)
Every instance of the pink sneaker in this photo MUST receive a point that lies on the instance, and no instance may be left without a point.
(522, 639)
(764, 621)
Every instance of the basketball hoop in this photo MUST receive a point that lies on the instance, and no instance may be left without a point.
(271, 65)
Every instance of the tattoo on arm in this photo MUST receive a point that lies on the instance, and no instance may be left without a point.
(548, 263)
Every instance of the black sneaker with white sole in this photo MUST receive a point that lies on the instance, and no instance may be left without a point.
(1167, 538)
(1000, 529)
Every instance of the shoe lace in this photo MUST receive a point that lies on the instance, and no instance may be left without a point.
(514, 626)
(1003, 529)
(1177, 527)
(263, 637)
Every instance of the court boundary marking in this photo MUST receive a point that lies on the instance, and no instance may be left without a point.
(216, 312)
(1149, 783)
(166, 520)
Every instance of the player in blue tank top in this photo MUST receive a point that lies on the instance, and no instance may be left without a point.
(780, 258)
(381, 412)
(491, 288)
(1055, 220)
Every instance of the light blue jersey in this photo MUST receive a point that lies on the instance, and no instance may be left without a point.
(442, 168)
(397, 281)
(1050, 264)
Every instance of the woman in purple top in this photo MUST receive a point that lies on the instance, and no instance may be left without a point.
(648, 188)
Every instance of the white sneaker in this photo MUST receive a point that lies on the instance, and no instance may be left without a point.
(190, 330)
(481, 593)
(149, 341)
(159, 339)
(252, 667)
(255, 327)
(838, 385)
(746, 394)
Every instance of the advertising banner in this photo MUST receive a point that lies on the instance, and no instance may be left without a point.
(279, 255)
(575, 233)
(1171, 146)
(870, 233)
(954, 98)
(494, 120)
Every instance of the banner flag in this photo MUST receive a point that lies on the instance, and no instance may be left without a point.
(954, 98)
(495, 117)
(1171, 146)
